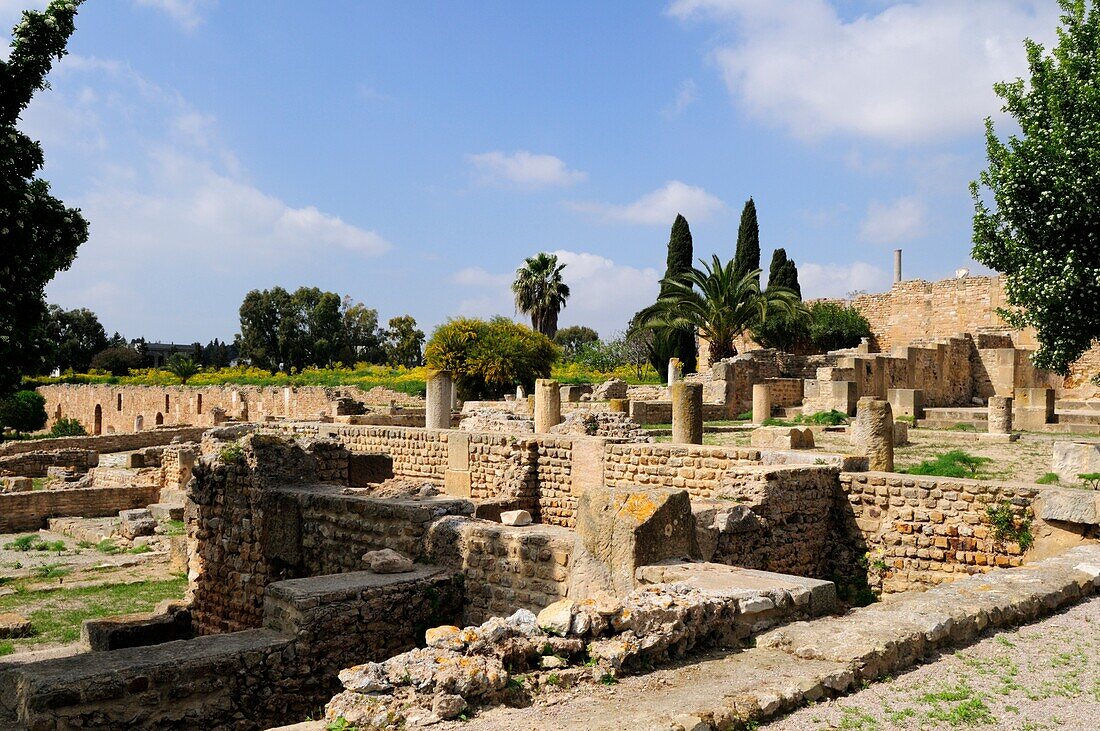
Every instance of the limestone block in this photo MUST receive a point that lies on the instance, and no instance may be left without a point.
(18, 484)
(387, 561)
(841, 396)
(515, 517)
(573, 393)
(761, 403)
(1075, 458)
(457, 483)
(131, 529)
(906, 402)
(612, 389)
(13, 626)
(1071, 506)
(782, 437)
(619, 406)
(901, 433)
(135, 460)
(557, 618)
(687, 412)
(873, 433)
(624, 528)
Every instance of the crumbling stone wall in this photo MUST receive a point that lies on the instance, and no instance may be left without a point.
(21, 511)
(37, 463)
(416, 453)
(107, 443)
(695, 468)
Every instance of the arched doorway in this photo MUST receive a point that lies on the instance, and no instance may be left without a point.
(160, 417)
(97, 428)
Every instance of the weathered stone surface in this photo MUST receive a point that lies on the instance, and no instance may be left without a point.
(625, 528)
(615, 388)
(14, 625)
(687, 412)
(761, 403)
(557, 618)
(437, 400)
(515, 517)
(1071, 459)
(873, 433)
(1071, 506)
(547, 405)
(387, 561)
(782, 437)
(999, 416)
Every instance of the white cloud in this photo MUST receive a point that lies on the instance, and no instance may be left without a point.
(685, 96)
(837, 280)
(603, 294)
(657, 208)
(894, 222)
(912, 71)
(187, 13)
(523, 169)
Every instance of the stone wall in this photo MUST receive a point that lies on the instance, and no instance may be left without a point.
(921, 531)
(107, 409)
(36, 464)
(416, 453)
(107, 443)
(696, 468)
(21, 511)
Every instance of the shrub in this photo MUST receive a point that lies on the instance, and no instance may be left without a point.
(826, 418)
(1050, 478)
(1090, 479)
(955, 463)
(68, 428)
(488, 359)
(834, 326)
(1007, 526)
(116, 361)
(23, 411)
(787, 333)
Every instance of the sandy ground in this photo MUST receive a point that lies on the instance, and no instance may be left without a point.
(1041, 676)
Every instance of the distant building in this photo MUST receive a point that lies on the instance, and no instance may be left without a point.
(157, 354)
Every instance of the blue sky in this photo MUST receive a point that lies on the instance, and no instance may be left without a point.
(411, 154)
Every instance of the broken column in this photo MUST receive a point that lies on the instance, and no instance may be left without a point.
(873, 433)
(547, 405)
(761, 402)
(437, 400)
(619, 406)
(687, 412)
(1000, 414)
(673, 371)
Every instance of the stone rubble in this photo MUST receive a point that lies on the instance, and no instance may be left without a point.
(602, 424)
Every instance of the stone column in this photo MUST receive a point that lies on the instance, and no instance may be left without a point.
(673, 371)
(687, 413)
(873, 433)
(437, 400)
(1000, 415)
(761, 402)
(897, 265)
(547, 405)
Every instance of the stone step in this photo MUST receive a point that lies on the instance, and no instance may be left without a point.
(166, 511)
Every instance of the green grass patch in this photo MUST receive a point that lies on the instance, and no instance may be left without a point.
(955, 463)
(962, 427)
(56, 614)
(1091, 480)
(1050, 478)
(34, 543)
(174, 528)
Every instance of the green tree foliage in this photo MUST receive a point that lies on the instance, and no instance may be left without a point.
(183, 367)
(747, 257)
(488, 359)
(117, 361)
(719, 304)
(73, 337)
(573, 339)
(64, 427)
(23, 411)
(363, 338)
(541, 292)
(39, 236)
(404, 342)
(788, 333)
(1043, 235)
(664, 343)
(834, 326)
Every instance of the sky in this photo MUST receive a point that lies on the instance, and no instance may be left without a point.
(411, 154)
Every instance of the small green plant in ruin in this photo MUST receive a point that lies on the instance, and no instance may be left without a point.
(1050, 478)
(232, 454)
(1091, 480)
(1007, 526)
(955, 463)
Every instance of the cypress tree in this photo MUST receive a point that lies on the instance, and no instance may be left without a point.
(783, 272)
(747, 257)
(680, 249)
(676, 343)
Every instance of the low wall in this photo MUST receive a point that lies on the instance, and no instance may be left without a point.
(20, 511)
(696, 468)
(416, 453)
(37, 463)
(107, 443)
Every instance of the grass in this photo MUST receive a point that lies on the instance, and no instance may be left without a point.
(34, 543)
(1050, 478)
(821, 418)
(174, 528)
(56, 614)
(962, 427)
(955, 463)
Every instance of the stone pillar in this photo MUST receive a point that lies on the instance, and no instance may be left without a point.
(437, 400)
(1000, 415)
(619, 406)
(673, 371)
(547, 405)
(873, 433)
(687, 413)
(897, 265)
(520, 395)
(761, 402)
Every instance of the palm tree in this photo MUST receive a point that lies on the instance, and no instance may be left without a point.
(183, 367)
(719, 303)
(540, 292)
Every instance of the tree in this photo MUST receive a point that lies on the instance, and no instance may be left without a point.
(724, 306)
(1043, 235)
(183, 367)
(747, 257)
(39, 234)
(783, 273)
(23, 411)
(73, 337)
(665, 343)
(117, 361)
(833, 326)
(788, 333)
(573, 338)
(541, 292)
(363, 338)
(488, 359)
(404, 342)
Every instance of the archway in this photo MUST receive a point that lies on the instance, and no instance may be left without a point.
(160, 417)
(97, 427)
